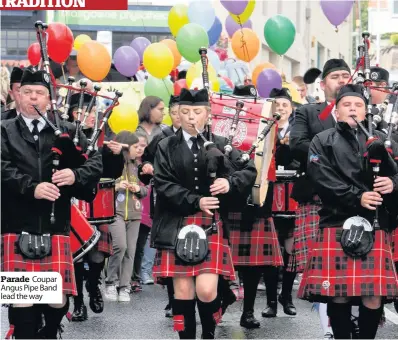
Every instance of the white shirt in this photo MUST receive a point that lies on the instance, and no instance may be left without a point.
(174, 129)
(187, 138)
(28, 122)
(283, 131)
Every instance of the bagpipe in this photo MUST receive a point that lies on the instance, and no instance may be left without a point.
(67, 150)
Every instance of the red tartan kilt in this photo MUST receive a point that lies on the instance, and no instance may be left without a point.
(259, 247)
(104, 243)
(218, 261)
(60, 260)
(331, 273)
(306, 226)
(394, 245)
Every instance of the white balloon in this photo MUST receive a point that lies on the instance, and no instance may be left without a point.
(201, 13)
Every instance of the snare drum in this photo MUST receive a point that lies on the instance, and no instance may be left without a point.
(248, 129)
(102, 210)
(83, 236)
(283, 205)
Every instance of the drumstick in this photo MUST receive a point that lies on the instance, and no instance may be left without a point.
(123, 145)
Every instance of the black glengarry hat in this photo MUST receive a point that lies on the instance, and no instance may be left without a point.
(30, 77)
(352, 90)
(333, 65)
(74, 103)
(245, 91)
(379, 74)
(174, 100)
(194, 97)
(16, 75)
(281, 93)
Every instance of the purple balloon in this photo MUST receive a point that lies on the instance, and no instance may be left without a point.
(268, 80)
(336, 11)
(231, 26)
(126, 61)
(235, 6)
(140, 44)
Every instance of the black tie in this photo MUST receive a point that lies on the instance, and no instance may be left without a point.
(35, 131)
(194, 147)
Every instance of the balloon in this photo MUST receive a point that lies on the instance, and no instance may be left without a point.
(59, 42)
(158, 60)
(178, 17)
(228, 81)
(279, 32)
(248, 51)
(126, 61)
(235, 6)
(94, 60)
(167, 119)
(195, 71)
(231, 26)
(123, 117)
(189, 39)
(162, 88)
(242, 18)
(293, 92)
(140, 44)
(179, 85)
(198, 84)
(214, 60)
(257, 70)
(34, 54)
(172, 45)
(336, 11)
(80, 40)
(267, 80)
(201, 13)
(215, 31)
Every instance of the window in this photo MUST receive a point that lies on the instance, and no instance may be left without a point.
(265, 7)
(16, 43)
(395, 7)
(298, 16)
(279, 7)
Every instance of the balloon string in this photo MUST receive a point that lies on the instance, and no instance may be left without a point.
(281, 63)
(63, 71)
(166, 87)
(246, 54)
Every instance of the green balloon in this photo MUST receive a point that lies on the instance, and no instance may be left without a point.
(190, 38)
(162, 88)
(279, 33)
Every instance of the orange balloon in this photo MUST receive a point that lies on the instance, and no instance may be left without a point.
(94, 60)
(172, 45)
(258, 69)
(245, 44)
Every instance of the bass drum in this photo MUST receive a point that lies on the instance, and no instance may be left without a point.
(249, 128)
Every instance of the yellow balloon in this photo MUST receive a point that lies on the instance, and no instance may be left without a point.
(80, 40)
(213, 82)
(167, 120)
(195, 71)
(123, 117)
(242, 18)
(158, 60)
(178, 17)
(293, 92)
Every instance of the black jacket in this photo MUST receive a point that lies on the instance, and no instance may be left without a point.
(179, 187)
(23, 168)
(338, 171)
(9, 114)
(283, 154)
(306, 125)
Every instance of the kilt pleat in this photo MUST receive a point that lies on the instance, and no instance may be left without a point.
(218, 261)
(332, 273)
(104, 243)
(60, 260)
(306, 226)
(259, 247)
(394, 245)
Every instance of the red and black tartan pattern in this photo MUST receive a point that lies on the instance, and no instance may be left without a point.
(104, 243)
(332, 273)
(259, 247)
(394, 245)
(306, 226)
(218, 261)
(60, 260)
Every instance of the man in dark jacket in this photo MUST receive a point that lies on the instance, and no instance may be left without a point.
(30, 189)
(15, 85)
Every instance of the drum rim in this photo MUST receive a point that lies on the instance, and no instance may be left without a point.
(94, 220)
(87, 246)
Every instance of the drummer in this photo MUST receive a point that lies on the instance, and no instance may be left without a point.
(113, 164)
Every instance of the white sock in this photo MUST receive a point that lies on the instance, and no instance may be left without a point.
(324, 318)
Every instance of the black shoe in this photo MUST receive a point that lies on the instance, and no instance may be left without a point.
(227, 301)
(396, 306)
(79, 312)
(168, 313)
(287, 303)
(96, 300)
(271, 310)
(248, 320)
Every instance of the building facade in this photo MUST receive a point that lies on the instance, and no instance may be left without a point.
(383, 16)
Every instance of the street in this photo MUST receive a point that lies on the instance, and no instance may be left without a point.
(143, 318)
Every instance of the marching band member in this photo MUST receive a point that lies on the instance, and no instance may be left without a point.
(14, 92)
(309, 120)
(347, 267)
(31, 186)
(185, 196)
(380, 77)
(112, 162)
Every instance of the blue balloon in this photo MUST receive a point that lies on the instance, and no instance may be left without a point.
(214, 32)
(201, 13)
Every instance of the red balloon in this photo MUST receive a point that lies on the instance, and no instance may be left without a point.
(179, 85)
(59, 42)
(34, 54)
